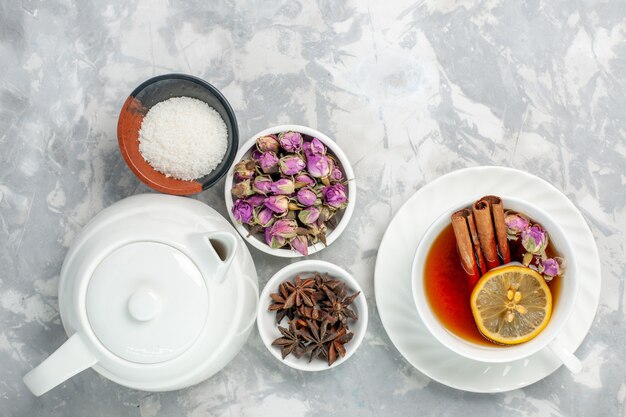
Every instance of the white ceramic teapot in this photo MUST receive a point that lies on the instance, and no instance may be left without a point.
(156, 293)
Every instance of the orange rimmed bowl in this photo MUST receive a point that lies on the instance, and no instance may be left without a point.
(159, 89)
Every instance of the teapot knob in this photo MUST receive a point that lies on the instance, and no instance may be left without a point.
(144, 305)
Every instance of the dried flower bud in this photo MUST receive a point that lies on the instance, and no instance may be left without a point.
(304, 180)
(291, 141)
(267, 144)
(318, 166)
(283, 186)
(268, 161)
(335, 196)
(284, 228)
(264, 217)
(300, 244)
(277, 203)
(309, 215)
(515, 223)
(315, 147)
(291, 164)
(256, 200)
(262, 184)
(242, 211)
(274, 242)
(336, 174)
(549, 267)
(242, 189)
(244, 170)
(306, 196)
(535, 239)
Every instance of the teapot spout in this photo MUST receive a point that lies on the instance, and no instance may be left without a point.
(68, 360)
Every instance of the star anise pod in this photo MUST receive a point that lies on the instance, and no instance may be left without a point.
(337, 308)
(324, 283)
(336, 346)
(290, 342)
(283, 302)
(303, 290)
(317, 336)
(311, 313)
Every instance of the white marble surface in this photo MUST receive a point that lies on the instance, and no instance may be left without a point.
(410, 90)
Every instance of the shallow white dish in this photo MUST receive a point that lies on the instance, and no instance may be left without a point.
(393, 278)
(266, 320)
(345, 215)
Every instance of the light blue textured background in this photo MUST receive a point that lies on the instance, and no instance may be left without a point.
(410, 90)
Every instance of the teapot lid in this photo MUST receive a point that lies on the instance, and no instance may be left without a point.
(147, 302)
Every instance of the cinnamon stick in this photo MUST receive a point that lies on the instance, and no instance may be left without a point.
(497, 211)
(462, 224)
(476, 242)
(486, 235)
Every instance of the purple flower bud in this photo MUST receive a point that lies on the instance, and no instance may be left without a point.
(306, 196)
(262, 184)
(267, 144)
(284, 228)
(283, 186)
(300, 244)
(264, 217)
(291, 164)
(309, 215)
(535, 239)
(303, 180)
(242, 189)
(244, 170)
(335, 196)
(290, 141)
(336, 174)
(277, 203)
(268, 161)
(550, 267)
(242, 211)
(275, 242)
(256, 200)
(515, 223)
(315, 147)
(317, 166)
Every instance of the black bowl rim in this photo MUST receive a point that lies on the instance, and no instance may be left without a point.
(208, 180)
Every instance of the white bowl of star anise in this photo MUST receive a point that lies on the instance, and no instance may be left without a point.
(312, 315)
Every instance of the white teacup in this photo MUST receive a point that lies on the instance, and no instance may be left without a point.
(548, 338)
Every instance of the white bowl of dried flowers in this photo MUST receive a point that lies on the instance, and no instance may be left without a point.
(291, 191)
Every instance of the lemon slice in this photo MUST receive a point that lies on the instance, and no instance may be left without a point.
(511, 305)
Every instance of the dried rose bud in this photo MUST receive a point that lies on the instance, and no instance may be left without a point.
(315, 147)
(309, 215)
(264, 217)
(335, 196)
(515, 223)
(317, 166)
(277, 203)
(283, 186)
(303, 180)
(268, 161)
(300, 244)
(256, 200)
(284, 228)
(326, 214)
(275, 242)
(549, 267)
(262, 184)
(244, 170)
(291, 164)
(242, 211)
(267, 144)
(242, 189)
(290, 141)
(535, 239)
(306, 196)
(336, 174)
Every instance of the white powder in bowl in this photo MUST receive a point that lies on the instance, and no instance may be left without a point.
(183, 137)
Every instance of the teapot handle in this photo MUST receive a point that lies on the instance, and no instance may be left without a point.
(68, 360)
(223, 248)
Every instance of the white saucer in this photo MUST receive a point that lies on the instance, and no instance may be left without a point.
(393, 278)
